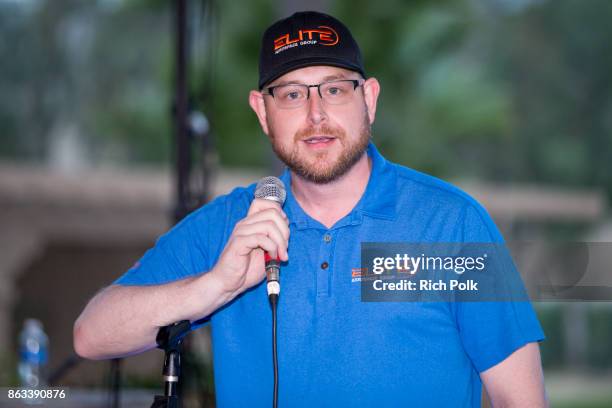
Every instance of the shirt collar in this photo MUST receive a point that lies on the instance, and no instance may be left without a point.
(378, 200)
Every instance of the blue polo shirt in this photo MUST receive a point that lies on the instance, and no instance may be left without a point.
(333, 349)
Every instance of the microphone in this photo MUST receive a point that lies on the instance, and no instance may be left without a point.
(273, 189)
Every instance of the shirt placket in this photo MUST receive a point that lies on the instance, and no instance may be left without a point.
(325, 263)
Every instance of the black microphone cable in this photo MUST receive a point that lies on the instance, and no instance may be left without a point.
(274, 303)
(273, 189)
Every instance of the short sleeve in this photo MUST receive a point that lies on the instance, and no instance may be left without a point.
(174, 256)
(491, 331)
(191, 247)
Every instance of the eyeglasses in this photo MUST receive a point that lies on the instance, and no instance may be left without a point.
(292, 96)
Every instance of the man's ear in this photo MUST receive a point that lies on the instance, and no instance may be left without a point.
(259, 107)
(371, 89)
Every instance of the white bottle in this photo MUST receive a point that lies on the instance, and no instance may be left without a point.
(33, 354)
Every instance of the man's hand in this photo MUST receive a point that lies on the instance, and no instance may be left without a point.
(241, 264)
(123, 320)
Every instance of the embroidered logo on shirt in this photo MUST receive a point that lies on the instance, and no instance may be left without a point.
(357, 273)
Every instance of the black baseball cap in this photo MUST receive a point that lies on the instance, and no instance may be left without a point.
(304, 39)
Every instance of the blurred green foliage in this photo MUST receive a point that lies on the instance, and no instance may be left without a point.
(553, 349)
(96, 66)
(600, 338)
(488, 89)
(593, 402)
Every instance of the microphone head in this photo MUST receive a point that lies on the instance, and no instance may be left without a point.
(271, 188)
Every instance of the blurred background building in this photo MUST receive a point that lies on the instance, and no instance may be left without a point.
(509, 99)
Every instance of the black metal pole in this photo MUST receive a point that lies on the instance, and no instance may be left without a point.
(169, 339)
(115, 382)
(181, 112)
(187, 198)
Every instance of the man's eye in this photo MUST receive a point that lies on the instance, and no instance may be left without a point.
(293, 95)
(336, 90)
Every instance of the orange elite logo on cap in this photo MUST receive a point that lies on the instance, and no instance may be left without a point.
(323, 35)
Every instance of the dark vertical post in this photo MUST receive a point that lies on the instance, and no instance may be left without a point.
(181, 112)
(115, 382)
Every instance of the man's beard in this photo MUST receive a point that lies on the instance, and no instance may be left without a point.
(319, 169)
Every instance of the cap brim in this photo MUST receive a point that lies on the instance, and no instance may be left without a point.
(307, 62)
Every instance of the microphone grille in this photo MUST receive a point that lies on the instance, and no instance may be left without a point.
(271, 188)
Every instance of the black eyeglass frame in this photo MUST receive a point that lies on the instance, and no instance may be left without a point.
(356, 83)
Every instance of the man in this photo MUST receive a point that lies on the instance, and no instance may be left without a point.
(316, 107)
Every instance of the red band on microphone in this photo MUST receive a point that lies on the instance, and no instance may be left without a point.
(268, 258)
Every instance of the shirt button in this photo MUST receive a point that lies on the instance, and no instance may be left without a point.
(327, 238)
(324, 265)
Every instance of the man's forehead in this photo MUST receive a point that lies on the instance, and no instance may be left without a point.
(315, 74)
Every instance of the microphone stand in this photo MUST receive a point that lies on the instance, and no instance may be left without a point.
(169, 339)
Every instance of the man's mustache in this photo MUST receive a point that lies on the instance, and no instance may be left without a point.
(323, 130)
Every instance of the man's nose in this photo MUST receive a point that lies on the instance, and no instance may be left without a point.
(316, 111)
